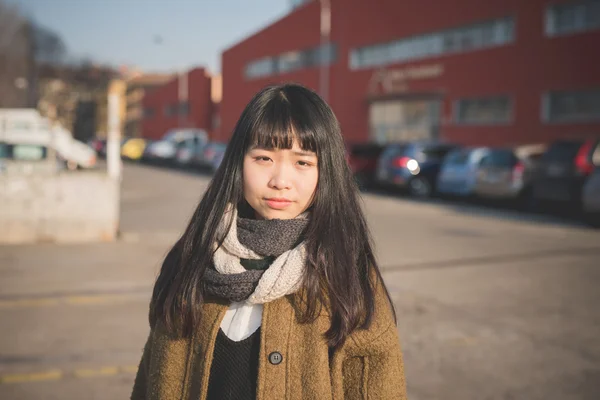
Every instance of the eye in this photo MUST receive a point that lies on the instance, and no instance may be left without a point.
(304, 164)
(262, 159)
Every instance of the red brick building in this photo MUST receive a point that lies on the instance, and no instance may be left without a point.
(467, 71)
(183, 102)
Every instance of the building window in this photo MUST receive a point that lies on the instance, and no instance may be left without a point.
(260, 68)
(571, 106)
(148, 112)
(171, 110)
(467, 38)
(564, 19)
(404, 120)
(322, 55)
(292, 61)
(484, 111)
(184, 108)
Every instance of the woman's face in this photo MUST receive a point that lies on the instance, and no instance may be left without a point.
(280, 184)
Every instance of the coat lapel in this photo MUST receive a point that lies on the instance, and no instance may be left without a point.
(203, 346)
(275, 339)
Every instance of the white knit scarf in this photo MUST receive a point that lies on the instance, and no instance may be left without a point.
(284, 275)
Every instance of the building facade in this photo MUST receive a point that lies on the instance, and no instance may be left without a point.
(183, 102)
(466, 71)
(137, 87)
(76, 97)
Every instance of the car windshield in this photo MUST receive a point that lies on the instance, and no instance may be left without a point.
(458, 157)
(562, 152)
(394, 150)
(171, 135)
(3, 150)
(433, 153)
(500, 158)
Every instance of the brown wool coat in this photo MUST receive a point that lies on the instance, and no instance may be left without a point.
(368, 366)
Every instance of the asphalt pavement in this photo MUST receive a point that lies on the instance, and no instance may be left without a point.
(491, 304)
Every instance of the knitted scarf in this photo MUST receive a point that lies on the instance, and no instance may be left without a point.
(247, 240)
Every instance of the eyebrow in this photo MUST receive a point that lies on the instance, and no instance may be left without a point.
(305, 153)
(297, 153)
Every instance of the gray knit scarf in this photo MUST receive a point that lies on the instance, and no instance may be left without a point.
(268, 238)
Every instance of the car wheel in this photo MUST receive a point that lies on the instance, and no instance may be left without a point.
(525, 201)
(71, 165)
(420, 187)
(592, 219)
(361, 181)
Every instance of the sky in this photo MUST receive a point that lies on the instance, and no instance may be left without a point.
(154, 35)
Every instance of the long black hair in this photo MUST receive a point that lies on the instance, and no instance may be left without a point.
(341, 268)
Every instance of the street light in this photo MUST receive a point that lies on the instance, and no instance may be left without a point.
(182, 96)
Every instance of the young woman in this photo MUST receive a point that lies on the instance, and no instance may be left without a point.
(273, 290)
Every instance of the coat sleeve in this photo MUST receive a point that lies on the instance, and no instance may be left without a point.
(373, 367)
(375, 370)
(141, 379)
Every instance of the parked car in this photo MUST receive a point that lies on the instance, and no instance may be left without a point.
(164, 151)
(458, 174)
(363, 159)
(147, 157)
(23, 120)
(99, 145)
(413, 166)
(76, 154)
(133, 149)
(219, 153)
(563, 171)
(591, 193)
(27, 158)
(210, 157)
(508, 173)
(187, 151)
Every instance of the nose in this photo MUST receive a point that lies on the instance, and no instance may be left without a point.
(280, 178)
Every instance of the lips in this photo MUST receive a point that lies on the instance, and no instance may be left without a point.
(278, 203)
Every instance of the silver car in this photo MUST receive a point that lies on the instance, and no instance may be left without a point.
(507, 173)
(165, 150)
(459, 171)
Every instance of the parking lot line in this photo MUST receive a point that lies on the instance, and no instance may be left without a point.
(99, 299)
(130, 369)
(57, 374)
(102, 299)
(43, 302)
(51, 375)
(90, 373)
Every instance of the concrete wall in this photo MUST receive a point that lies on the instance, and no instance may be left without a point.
(64, 207)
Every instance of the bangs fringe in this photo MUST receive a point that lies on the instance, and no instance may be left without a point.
(280, 126)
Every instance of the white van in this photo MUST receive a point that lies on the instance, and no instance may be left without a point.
(27, 126)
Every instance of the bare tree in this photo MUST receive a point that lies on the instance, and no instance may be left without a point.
(49, 47)
(14, 57)
(24, 47)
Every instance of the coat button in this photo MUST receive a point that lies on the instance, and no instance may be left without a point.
(275, 358)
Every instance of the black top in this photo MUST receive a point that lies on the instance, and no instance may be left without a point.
(234, 369)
